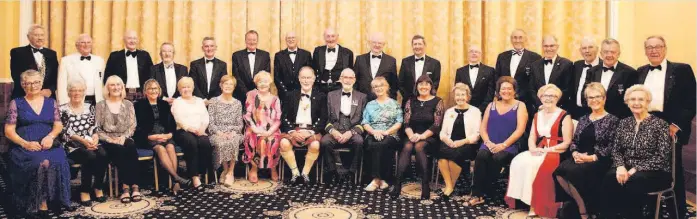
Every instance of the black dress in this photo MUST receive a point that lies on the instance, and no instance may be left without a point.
(460, 155)
(424, 115)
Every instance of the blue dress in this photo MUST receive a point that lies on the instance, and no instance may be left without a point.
(30, 181)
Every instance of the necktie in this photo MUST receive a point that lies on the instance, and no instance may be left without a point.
(609, 69)
(207, 61)
(520, 53)
(587, 66)
(376, 57)
(331, 50)
(253, 53)
(133, 54)
(348, 94)
(420, 59)
(474, 66)
(293, 52)
(651, 68)
(35, 50)
(85, 57)
(305, 95)
(548, 61)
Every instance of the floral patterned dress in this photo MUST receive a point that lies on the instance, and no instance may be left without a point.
(225, 118)
(263, 116)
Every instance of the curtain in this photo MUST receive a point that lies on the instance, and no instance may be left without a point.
(449, 26)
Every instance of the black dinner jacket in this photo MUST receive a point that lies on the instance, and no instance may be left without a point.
(22, 59)
(197, 72)
(407, 72)
(562, 74)
(158, 73)
(145, 119)
(623, 78)
(678, 97)
(576, 111)
(285, 71)
(344, 60)
(243, 72)
(387, 69)
(483, 90)
(522, 76)
(116, 65)
(318, 110)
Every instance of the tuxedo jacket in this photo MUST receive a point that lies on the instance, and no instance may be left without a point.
(522, 75)
(562, 74)
(483, 89)
(146, 119)
(407, 74)
(243, 72)
(71, 68)
(678, 97)
(358, 102)
(22, 59)
(576, 111)
(197, 72)
(622, 79)
(285, 71)
(387, 69)
(344, 60)
(158, 73)
(116, 65)
(318, 113)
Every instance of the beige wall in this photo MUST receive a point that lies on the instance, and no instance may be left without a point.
(675, 20)
(9, 23)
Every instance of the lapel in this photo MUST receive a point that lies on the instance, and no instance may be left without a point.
(411, 67)
(480, 75)
(322, 59)
(122, 56)
(245, 63)
(257, 62)
(295, 100)
(339, 57)
(427, 66)
(616, 76)
(642, 74)
(669, 82)
(336, 99)
(298, 60)
(507, 62)
(521, 65)
(539, 71)
(468, 81)
(383, 64)
(31, 57)
(314, 103)
(368, 68)
(354, 99)
(161, 78)
(555, 70)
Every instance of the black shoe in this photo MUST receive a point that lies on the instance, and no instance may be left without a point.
(184, 182)
(425, 191)
(294, 180)
(101, 199)
(396, 190)
(41, 214)
(87, 203)
(342, 172)
(443, 196)
(306, 179)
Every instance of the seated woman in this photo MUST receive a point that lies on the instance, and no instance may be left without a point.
(579, 177)
(37, 165)
(192, 120)
(530, 179)
(382, 119)
(501, 128)
(641, 155)
(226, 129)
(116, 123)
(458, 137)
(82, 142)
(155, 130)
(262, 137)
(423, 115)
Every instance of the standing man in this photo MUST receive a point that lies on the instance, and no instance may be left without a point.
(479, 77)
(34, 56)
(248, 62)
(329, 60)
(286, 65)
(577, 105)
(167, 73)
(376, 63)
(414, 66)
(83, 66)
(672, 86)
(131, 64)
(552, 69)
(615, 76)
(207, 72)
(516, 63)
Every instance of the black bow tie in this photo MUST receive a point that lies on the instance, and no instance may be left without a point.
(474, 66)
(520, 53)
(376, 57)
(651, 68)
(209, 60)
(548, 61)
(85, 57)
(293, 52)
(305, 95)
(587, 66)
(253, 53)
(331, 50)
(609, 69)
(420, 59)
(35, 50)
(348, 94)
(129, 53)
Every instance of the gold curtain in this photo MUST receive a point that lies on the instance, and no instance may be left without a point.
(449, 26)
(9, 21)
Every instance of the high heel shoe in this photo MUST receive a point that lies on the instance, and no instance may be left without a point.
(126, 196)
(443, 196)
(183, 181)
(176, 188)
(397, 189)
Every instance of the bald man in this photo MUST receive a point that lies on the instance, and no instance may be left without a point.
(375, 64)
(34, 56)
(131, 64)
(84, 66)
(516, 63)
(479, 77)
(551, 69)
(287, 63)
(577, 105)
(329, 60)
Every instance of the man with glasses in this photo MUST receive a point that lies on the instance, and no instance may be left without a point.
(287, 64)
(329, 60)
(374, 64)
(37, 57)
(616, 78)
(167, 73)
(84, 66)
(131, 64)
(551, 69)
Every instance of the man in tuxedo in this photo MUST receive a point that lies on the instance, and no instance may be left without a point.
(37, 57)
(414, 66)
(343, 129)
(516, 63)
(329, 60)
(615, 76)
(577, 105)
(248, 62)
(302, 123)
(83, 66)
(131, 64)
(374, 64)
(479, 77)
(672, 86)
(287, 63)
(551, 69)
(167, 73)
(207, 71)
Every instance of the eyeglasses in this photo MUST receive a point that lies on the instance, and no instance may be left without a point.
(348, 77)
(654, 48)
(594, 97)
(33, 84)
(378, 86)
(154, 88)
(549, 96)
(307, 78)
(640, 99)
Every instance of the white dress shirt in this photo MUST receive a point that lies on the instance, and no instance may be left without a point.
(209, 73)
(656, 83)
(548, 70)
(584, 73)
(38, 57)
(330, 58)
(419, 67)
(89, 71)
(346, 104)
(292, 56)
(374, 64)
(515, 61)
(606, 77)
(252, 58)
(171, 79)
(304, 115)
(474, 72)
(133, 80)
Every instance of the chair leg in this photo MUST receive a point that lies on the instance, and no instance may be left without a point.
(205, 177)
(360, 177)
(169, 185)
(658, 205)
(317, 170)
(675, 205)
(116, 180)
(111, 183)
(215, 175)
(157, 183)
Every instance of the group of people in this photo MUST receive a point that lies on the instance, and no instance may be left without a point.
(626, 120)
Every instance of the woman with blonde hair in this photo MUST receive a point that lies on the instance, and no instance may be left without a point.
(262, 136)
(226, 129)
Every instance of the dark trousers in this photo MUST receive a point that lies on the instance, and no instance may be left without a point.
(487, 168)
(93, 163)
(198, 152)
(628, 199)
(679, 182)
(125, 157)
(331, 156)
(381, 155)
